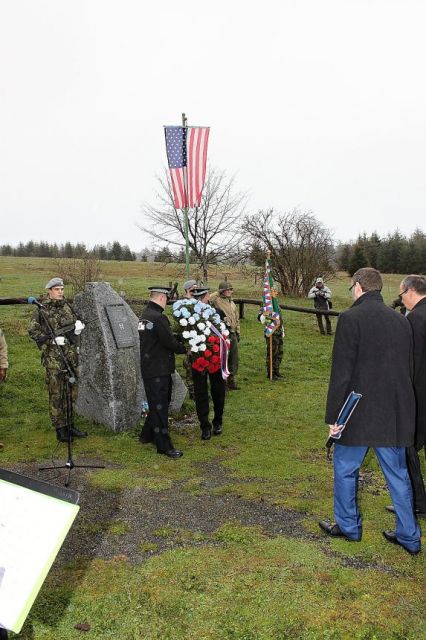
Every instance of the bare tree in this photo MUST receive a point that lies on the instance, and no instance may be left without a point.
(213, 227)
(301, 247)
(78, 271)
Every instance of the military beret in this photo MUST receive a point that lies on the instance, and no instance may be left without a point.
(199, 292)
(54, 282)
(224, 286)
(189, 284)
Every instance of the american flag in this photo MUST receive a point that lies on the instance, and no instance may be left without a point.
(187, 156)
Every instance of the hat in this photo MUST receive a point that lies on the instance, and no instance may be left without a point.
(224, 286)
(319, 280)
(189, 284)
(199, 292)
(158, 288)
(54, 282)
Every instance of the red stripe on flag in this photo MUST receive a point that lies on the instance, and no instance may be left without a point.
(197, 159)
(206, 142)
(177, 176)
(190, 148)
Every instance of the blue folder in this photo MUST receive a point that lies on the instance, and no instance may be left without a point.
(344, 415)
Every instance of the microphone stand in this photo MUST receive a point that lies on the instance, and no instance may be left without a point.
(69, 379)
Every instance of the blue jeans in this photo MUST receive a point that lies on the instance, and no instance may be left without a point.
(392, 460)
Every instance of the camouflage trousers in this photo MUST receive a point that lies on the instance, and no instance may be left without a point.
(233, 355)
(277, 352)
(57, 385)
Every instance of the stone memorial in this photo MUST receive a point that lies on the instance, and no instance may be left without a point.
(110, 385)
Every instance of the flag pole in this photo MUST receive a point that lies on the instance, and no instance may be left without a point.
(185, 210)
(268, 256)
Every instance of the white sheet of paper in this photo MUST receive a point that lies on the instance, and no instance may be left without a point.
(33, 527)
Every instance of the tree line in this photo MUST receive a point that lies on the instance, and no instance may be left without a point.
(394, 253)
(111, 251)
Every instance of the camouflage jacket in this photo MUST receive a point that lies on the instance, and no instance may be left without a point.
(229, 309)
(3, 351)
(61, 317)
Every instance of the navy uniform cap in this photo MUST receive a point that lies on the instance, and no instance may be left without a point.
(199, 292)
(160, 289)
(54, 282)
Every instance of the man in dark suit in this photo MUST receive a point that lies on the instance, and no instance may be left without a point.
(372, 355)
(412, 292)
(158, 347)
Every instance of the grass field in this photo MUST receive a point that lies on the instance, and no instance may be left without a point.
(224, 543)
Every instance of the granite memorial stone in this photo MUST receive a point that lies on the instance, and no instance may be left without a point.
(110, 384)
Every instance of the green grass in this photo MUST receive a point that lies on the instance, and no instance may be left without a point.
(236, 582)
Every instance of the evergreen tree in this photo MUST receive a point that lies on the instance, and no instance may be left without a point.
(358, 260)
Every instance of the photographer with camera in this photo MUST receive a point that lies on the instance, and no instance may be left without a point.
(321, 296)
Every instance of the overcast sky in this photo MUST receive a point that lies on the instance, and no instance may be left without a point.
(319, 104)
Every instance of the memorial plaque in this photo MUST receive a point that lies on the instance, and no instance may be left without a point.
(120, 326)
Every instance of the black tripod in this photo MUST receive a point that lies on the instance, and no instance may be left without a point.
(69, 379)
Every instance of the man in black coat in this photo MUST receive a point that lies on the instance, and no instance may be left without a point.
(217, 386)
(412, 291)
(158, 347)
(372, 355)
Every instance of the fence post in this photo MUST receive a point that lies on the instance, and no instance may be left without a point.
(241, 305)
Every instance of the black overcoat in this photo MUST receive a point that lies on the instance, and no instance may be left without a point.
(373, 355)
(417, 320)
(157, 343)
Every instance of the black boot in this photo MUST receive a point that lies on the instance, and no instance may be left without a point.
(62, 434)
(206, 433)
(217, 428)
(78, 434)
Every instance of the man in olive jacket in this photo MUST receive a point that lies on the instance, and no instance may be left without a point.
(222, 301)
(158, 347)
(372, 355)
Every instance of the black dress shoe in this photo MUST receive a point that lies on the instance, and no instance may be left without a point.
(206, 434)
(334, 530)
(277, 374)
(78, 434)
(391, 537)
(417, 512)
(171, 453)
(217, 429)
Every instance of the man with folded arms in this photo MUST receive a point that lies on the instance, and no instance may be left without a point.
(372, 355)
(412, 292)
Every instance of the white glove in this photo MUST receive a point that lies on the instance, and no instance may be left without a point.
(78, 327)
(262, 319)
(60, 340)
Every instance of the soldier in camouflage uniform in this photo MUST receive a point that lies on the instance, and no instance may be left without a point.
(66, 327)
(4, 364)
(3, 357)
(222, 301)
(277, 353)
(277, 348)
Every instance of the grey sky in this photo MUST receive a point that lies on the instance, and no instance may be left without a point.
(313, 103)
